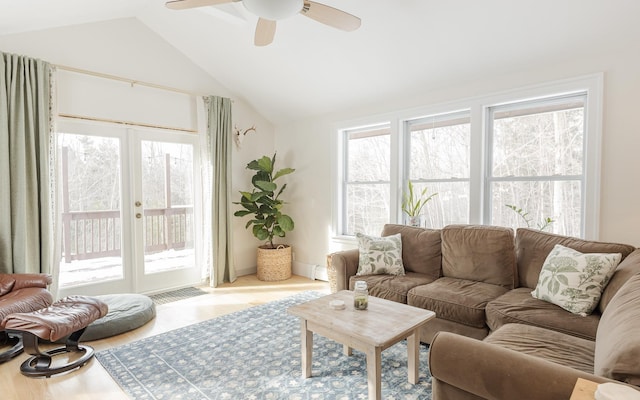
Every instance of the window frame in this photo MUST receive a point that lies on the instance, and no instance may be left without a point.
(489, 151)
(406, 155)
(591, 85)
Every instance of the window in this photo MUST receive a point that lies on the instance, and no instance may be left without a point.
(438, 157)
(537, 164)
(366, 195)
(527, 157)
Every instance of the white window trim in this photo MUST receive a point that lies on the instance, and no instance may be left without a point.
(591, 84)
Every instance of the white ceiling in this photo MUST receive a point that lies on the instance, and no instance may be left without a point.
(403, 48)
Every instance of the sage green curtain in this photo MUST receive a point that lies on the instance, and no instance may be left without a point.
(220, 136)
(27, 153)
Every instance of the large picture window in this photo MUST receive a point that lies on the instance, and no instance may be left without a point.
(524, 158)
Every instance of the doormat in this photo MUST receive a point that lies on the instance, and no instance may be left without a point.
(175, 295)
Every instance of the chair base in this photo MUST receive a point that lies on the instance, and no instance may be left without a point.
(15, 343)
(40, 363)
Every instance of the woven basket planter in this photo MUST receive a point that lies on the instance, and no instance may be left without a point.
(274, 264)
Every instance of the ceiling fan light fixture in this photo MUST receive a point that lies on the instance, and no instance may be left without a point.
(274, 10)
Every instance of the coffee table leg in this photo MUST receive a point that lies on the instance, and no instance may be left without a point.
(306, 343)
(413, 356)
(374, 373)
(347, 350)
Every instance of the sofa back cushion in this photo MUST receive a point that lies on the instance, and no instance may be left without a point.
(629, 267)
(617, 346)
(479, 253)
(533, 247)
(421, 251)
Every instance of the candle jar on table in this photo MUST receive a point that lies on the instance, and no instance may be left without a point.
(360, 296)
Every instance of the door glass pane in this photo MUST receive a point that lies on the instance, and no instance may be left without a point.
(168, 193)
(90, 178)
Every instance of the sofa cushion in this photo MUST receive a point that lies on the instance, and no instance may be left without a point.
(533, 246)
(479, 253)
(574, 280)
(518, 306)
(458, 300)
(617, 346)
(626, 269)
(391, 287)
(421, 250)
(550, 345)
(379, 255)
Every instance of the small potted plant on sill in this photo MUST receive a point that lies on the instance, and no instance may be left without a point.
(263, 202)
(413, 203)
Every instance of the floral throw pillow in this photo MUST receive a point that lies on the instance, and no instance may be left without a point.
(380, 255)
(574, 280)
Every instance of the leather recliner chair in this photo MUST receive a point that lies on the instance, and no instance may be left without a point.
(20, 293)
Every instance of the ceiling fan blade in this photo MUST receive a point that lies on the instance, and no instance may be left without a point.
(330, 16)
(184, 4)
(265, 31)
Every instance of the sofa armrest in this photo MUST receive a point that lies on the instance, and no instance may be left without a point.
(492, 372)
(31, 280)
(345, 265)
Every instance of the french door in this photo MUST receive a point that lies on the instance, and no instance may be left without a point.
(130, 209)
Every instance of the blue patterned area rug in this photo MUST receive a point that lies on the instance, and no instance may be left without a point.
(254, 354)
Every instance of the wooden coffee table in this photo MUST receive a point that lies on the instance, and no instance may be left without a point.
(382, 325)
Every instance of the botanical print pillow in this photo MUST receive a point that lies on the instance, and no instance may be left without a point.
(380, 255)
(574, 280)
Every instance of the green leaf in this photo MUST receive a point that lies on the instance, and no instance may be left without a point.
(266, 186)
(265, 164)
(285, 222)
(260, 232)
(242, 213)
(282, 172)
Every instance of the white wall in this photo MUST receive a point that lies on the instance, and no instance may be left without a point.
(308, 144)
(128, 49)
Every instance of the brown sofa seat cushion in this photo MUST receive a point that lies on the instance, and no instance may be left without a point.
(479, 253)
(518, 306)
(420, 248)
(617, 353)
(533, 247)
(457, 300)
(391, 287)
(550, 345)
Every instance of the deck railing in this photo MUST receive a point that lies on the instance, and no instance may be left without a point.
(96, 234)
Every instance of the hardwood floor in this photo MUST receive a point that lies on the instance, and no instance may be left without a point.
(92, 382)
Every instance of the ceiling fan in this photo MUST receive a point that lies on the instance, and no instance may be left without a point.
(270, 11)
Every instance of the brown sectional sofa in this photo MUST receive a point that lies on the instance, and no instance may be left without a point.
(491, 339)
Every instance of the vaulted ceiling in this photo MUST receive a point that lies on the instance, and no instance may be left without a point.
(403, 47)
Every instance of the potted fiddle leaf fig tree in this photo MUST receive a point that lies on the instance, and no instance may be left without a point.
(412, 204)
(264, 205)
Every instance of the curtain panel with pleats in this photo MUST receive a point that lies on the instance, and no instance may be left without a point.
(218, 236)
(27, 167)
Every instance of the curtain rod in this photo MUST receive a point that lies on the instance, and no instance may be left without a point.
(127, 123)
(130, 81)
